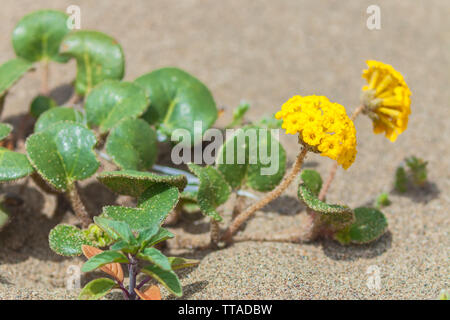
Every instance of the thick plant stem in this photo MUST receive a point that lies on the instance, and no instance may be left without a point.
(214, 232)
(45, 91)
(78, 206)
(333, 170)
(275, 193)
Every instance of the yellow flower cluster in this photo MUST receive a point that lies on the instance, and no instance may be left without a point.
(321, 124)
(386, 99)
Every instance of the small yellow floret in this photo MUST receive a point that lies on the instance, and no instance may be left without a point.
(386, 99)
(321, 124)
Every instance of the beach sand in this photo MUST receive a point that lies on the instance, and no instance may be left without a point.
(265, 52)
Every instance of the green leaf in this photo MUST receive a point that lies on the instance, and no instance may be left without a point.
(312, 180)
(132, 145)
(155, 256)
(169, 279)
(112, 101)
(370, 224)
(146, 234)
(134, 183)
(5, 130)
(38, 35)
(177, 99)
(137, 219)
(55, 115)
(63, 153)
(102, 259)
(245, 158)
(40, 104)
(99, 57)
(159, 200)
(180, 263)
(238, 114)
(116, 228)
(97, 289)
(162, 235)
(336, 215)
(213, 190)
(401, 180)
(67, 240)
(4, 216)
(13, 165)
(11, 71)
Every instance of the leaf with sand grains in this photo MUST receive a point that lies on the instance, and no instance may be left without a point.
(112, 101)
(99, 57)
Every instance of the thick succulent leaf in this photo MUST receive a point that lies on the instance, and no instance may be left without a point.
(134, 183)
(256, 167)
(369, 225)
(97, 289)
(38, 35)
(159, 200)
(155, 256)
(213, 190)
(138, 219)
(11, 71)
(112, 101)
(102, 259)
(116, 228)
(13, 165)
(5, 130)
(312, 180)
(67, 240)
(99, 57)
(132, 145)
(336, 215)
(169, 279)
(40, 104)
(177, 99)
(180, 263)
(63, 153)
(4, 217)
(55, 115)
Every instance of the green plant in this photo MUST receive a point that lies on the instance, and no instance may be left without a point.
(130, 234)
(382, 200)
(415, 173)
(124, 117)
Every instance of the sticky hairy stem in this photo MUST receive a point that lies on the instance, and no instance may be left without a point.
(333, 170)
(214, 231)
(244, 216)
(78, 206)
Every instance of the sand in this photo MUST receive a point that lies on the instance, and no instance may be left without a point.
(265, 52)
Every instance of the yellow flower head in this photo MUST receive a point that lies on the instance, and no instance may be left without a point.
(322, 125)
(386, 99)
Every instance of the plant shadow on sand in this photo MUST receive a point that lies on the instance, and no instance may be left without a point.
(26, 235)
(352, 252)
(423, 194)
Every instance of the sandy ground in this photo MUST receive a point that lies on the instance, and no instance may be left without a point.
(265, 52)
